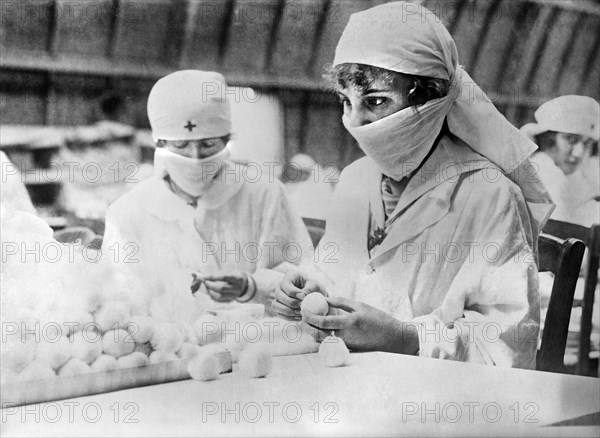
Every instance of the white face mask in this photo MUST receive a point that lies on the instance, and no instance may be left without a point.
(192, 175)
(400, 142)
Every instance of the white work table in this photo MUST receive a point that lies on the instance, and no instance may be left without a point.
(376, 394)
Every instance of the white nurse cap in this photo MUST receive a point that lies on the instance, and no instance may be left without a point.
(189, 105)
(569, 114)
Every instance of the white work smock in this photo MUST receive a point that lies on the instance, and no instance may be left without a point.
(458, 260)
(157, 240)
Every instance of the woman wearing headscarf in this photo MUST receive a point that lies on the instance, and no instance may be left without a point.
(431, 241)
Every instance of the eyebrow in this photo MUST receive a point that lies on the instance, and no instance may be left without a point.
(375, 90)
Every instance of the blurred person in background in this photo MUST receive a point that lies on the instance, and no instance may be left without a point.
(443, 179)
(13, 192)
(309, 185)
(567, 131)
(196, 214)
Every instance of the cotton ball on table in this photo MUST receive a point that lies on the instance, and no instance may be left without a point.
(208, 329)
(188, 350)
(315, 303)
(255, 361)
(133, 360)
(112, 315)
(162, 356)
(167, 337)
(56, 353)
(204, 366)
(117, 343)
(74, 367)
(15, 354)
(104, 363)
(36, 370)
(333, 351)
(86, 345)
(146, 348)
(141, 328)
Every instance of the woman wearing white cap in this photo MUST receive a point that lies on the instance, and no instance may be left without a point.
(567, 130)
(436, 228)
(198, 214)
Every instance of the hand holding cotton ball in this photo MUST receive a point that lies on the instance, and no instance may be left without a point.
(204, 366)
(117, 343)
(315, 303)
(255, 361)
(333, 351)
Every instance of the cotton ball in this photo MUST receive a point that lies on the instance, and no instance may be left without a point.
(143, 348)
(133, 360)
(141, 328)
(36, 370)
(255, 361)
(77, 321)
(235, 348)
(117, 343)
(54, 353)
(204, 366)
(167, 337)
(112, 315)
(74, 367)
(208, 329)
(315, 303)
(86, 345)
(188, 350)
(162, 356)
(16, 354)
(333, 351)
(104, 363)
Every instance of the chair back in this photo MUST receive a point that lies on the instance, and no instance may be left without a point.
(591, 236)
(563, 259)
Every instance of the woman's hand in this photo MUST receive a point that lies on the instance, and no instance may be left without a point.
(222, 287)
(293, 288)
(364, 328)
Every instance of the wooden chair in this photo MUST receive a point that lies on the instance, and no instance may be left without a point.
(591, 236)
(316, 229)
(563, 259)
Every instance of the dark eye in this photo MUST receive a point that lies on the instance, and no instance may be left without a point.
(343, 100)
(376, 101)
(572, 139)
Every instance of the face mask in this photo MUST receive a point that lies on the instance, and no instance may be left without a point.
(192, 175)
(400, 142)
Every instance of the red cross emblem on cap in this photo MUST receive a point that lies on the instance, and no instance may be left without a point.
(190, 126)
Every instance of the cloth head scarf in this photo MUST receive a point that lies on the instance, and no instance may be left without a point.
(189, 105)
(407, 38)
(569, 114)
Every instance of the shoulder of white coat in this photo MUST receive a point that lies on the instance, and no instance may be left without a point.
(490, 186)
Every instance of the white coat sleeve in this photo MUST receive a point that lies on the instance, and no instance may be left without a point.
(287, 243)
(491, 311)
